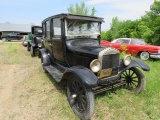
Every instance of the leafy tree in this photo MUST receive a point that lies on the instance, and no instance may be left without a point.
(115, 27)
(150, 24)
(81, 9)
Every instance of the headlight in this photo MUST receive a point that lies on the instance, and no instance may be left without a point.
(127, 60)
(95, 65)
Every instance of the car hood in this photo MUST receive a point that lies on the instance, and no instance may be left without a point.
(89, 50)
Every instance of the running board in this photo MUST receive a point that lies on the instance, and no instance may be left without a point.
(54, 72)
(100, 89)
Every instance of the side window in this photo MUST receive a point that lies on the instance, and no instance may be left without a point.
(44, 29)
(57, 27)
(119, 41)
(47, 29)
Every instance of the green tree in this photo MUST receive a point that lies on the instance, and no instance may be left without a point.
(150, 24)
(81, 9)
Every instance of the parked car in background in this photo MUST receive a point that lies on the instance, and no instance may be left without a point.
(11, 36)
(135, 47)
(72, 54)
(34, 40)
(24, 43)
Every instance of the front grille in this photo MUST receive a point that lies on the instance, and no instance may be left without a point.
(111, 61)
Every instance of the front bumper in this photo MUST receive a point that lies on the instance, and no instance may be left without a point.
(155, 55)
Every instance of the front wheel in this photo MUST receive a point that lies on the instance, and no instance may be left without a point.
(144, 55)
(135, 80)
(32, 51)
(81, 98)
(28, 47)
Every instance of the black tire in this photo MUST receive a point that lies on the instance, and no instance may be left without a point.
(81, 98)
(144, 55)
(135, 80)
(4, 39)
(32, 51)
(42, 63)
(28, 47)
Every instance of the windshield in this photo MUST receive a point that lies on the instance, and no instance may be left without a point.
(82, 29)
(38, 31)
(138, 41)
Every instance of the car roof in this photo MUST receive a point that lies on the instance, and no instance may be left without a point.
(76, 17)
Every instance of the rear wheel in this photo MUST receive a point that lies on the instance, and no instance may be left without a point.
(4, 39)
(81, 98)
(144, 55)
(135, 80)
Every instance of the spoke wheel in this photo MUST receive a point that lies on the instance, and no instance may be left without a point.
(28, 47)
(144, 55)
(32, 51)
(81, 98)
(135, 80)
(43, 69)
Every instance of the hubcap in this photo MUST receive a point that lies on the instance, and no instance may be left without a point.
(78, 97)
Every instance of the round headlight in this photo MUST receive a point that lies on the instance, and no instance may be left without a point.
(95, 65)
(127, 60)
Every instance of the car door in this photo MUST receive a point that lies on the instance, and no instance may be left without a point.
(57, 44)
(46, 35)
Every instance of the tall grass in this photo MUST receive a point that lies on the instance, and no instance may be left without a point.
(52, 103)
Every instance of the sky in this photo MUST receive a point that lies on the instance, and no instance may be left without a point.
(34, 11)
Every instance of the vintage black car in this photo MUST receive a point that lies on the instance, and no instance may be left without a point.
(34, 40)
(72, 53)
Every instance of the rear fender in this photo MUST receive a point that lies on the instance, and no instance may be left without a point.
(134, 63)
(86, 76)
(44, 55)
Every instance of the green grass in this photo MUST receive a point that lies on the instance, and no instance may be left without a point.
(39, 92)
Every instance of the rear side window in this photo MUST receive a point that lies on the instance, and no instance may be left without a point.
(47, 29)
(56, 27)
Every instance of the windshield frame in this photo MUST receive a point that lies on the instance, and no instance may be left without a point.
(74, 36)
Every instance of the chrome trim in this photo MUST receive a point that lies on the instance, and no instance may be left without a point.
(106, 51)
(155, 56)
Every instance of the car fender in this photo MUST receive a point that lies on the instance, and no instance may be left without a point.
(33, 44)
(86, 76)
(134, 63)
(44, 55)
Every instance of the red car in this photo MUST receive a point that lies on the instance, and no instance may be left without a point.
(134, 46)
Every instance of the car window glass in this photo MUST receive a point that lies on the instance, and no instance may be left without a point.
(47, 29)
(56, 27)
(44, 30)
(123, 41)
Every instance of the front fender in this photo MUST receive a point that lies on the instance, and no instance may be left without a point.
(86, 76)
(134, 63)
(44, 55)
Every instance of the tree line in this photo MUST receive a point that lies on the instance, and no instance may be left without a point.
(147, 28)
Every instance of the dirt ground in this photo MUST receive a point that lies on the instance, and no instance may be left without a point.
(26, 93)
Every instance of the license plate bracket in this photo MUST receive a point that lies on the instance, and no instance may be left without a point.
(105, 73)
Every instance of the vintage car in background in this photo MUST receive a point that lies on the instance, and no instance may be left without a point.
(135, 47)
(72, 54)
(34, 40)
(23, 40)
(11, 36)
